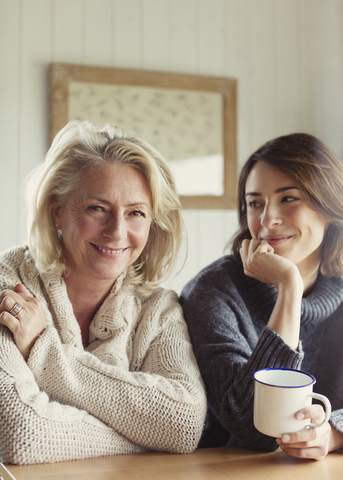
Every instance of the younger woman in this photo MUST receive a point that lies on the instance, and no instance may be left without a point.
(278, 300)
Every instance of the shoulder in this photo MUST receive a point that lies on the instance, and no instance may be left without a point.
(324, 299)
(331, 286)
(161, 302)
(12, 262)
(14, 256)
(160, 316)
(222, 291)
(223, 275)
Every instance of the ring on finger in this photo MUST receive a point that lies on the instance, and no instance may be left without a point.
(16, 310)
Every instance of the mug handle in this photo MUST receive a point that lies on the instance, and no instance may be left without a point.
(327, 404)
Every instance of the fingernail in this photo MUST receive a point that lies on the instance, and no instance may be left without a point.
(285, 438)
(299, 416)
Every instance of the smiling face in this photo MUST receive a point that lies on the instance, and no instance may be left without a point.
(278, 213)
(105, 223)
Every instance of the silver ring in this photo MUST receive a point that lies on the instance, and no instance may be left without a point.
(15, 311)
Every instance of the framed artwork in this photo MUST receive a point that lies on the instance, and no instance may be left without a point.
(190, 119)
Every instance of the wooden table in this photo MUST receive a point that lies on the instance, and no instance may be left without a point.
(207, 464)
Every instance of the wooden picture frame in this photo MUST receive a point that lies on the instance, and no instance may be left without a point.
(73, 88)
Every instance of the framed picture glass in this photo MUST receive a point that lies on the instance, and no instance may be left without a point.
(190, 119)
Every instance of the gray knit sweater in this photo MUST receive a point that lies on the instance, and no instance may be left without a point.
(227, 313)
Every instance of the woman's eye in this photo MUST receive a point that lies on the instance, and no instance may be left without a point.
(253, 204)
(289, 198)
(137, 213)
(96, 208)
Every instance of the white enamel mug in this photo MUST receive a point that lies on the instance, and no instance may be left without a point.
(279, 394)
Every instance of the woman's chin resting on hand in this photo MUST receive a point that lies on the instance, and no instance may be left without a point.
(277, 300)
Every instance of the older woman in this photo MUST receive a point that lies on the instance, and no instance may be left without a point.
(95, 360)
(278, 300)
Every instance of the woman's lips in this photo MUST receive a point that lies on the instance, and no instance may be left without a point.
(276, 240)
(108, 251)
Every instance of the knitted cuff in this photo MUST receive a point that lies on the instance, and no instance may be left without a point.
(272, 351)
(336, 421)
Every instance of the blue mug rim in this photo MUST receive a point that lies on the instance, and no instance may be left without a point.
(285, 386)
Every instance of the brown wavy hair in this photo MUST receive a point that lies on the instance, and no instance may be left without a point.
(319, 174)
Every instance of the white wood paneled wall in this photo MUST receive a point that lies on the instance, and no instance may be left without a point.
(286, 55)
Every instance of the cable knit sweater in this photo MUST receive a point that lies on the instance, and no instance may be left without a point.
(137, 386)
(227, 313)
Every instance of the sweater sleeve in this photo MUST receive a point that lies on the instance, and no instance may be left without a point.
(229, 350)
(65, 403)
(35, 429)
(160, 407)
(336, 421)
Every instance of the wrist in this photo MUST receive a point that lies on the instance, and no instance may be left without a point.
(335, 439)
(286, 315)
(291, 288)
(291, 285)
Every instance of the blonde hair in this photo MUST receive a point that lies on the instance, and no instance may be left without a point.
(319, 174)
(77, 148)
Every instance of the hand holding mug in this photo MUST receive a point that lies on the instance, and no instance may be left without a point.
(309, 442)
(283, 409)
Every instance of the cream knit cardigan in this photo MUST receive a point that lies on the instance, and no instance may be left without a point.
(136, 388)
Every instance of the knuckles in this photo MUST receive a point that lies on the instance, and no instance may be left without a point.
(313, 433)
(5, 293)
(35, 304)
(31, 305)
(317, 414)
(319, 455)
(7, 303)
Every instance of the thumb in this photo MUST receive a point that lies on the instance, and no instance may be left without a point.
(264, 247)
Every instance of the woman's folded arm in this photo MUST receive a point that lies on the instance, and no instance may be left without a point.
(35, 429)
(161, 407)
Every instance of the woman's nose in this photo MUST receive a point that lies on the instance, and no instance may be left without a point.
(270, 217)
(115, 228)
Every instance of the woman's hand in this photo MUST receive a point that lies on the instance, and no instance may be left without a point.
(312, 442)
(29, 323)
(260, 262)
